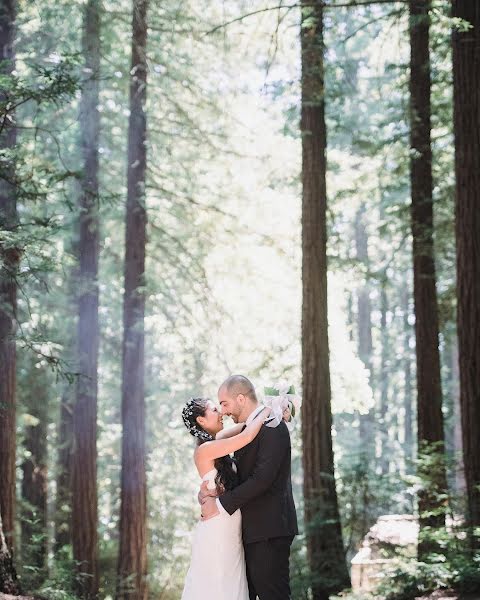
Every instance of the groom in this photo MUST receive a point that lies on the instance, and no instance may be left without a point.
(264, 494)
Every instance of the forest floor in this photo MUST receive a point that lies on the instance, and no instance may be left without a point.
(438, 595)
(10, 597)
(447, 595)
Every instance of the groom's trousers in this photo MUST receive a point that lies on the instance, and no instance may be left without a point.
(268, 566)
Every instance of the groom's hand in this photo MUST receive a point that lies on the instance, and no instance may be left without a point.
(205, 492)
(209, 508)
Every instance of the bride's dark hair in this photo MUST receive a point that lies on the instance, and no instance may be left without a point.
(196, 407)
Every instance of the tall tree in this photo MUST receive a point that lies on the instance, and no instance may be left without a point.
(407, 369)
(325, 548)
(84, 455)
(8, 576)
(365, 345)
(466, 93)
(459, 484)
(429, 390)
(384, 376)
(34, 471)
(63, 499)
(132, 560)
(9, 259)
(364, 320)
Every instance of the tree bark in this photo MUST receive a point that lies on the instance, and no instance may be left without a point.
(132, 562)
(35, 476)
(9, 259)
(365, 345)
(364, 321)
(325, 548)
(407, 387)
(466, 93)
(63, 503)
(430, 432)
(84, 455)
(382, 421)
(8, 575)
(460, 485)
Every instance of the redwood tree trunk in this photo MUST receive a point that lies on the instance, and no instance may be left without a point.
(63, 504)
(84, 455)
(429, 390)
(408, 387)
(382, 419)
(9, 258)
(8, 575)
(132, 562)
(34, 480)
(364, 321)
(460, 485)
(466, 77)
(325, 549)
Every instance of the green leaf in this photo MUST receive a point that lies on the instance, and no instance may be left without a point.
(270, 391)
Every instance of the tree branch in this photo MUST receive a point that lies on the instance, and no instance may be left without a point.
(288, 7)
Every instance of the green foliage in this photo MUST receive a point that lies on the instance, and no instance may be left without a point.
(301, 576)
(271, 391)
(364, 496)
(430, 482)
(446, 561)
(300, 579)
(44, 85)
(454, 569)
(61, 583)
(413, 579)
(223, 274)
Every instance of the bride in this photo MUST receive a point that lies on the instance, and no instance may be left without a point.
(217, 567)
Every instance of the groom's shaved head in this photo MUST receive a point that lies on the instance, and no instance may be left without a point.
(239, 384)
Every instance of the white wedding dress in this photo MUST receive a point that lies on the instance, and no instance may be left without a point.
(217, 566)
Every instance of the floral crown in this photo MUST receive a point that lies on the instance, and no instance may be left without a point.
(193, 428)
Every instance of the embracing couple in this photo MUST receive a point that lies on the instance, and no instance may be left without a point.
(241, 545)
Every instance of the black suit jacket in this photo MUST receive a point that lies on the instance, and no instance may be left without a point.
(265, 490)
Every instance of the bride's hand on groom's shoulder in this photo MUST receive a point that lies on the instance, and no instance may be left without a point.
(266, 412)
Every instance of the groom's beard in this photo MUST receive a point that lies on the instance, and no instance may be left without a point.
(235, 418)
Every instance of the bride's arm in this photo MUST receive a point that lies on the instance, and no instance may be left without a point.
(222, 447)
(227, 433)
